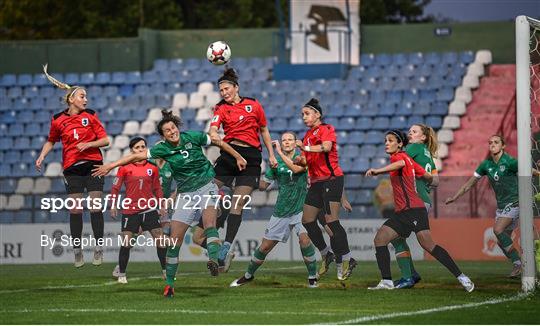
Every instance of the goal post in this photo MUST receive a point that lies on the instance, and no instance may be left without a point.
(526, 28)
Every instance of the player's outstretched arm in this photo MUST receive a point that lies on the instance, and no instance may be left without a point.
(287, 160)
(466, 187)
(267, 139)
(103, 170)
(389, 168)
(240, 161)
(47, 147)
(102, 142)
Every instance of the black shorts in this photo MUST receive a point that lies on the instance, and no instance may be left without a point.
(227, 171)
(79, 177)
(407, 221)
(321, 193)
(147, 221)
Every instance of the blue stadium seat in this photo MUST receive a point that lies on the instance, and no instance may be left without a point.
(364, 123)
(360, 165)
(58, 186)
(6, 217)
(87, 78)
(296, 125)
(37, 142)
(346, 123)
(198, 125)
(46, 91)
(368, 151)
(387, 110)
(16, 129)
(415, 119)
(422, 108)
(427, 95)
(398, 122)
(381, 123)
(110, 90)
(23, 216)
(449, 57)
(433, 58)
(30, 92)
(5, 170)
(149, 77)
(39, 80)
(103, 78)
(161, 65)
(441, 70)
(367, 59)
(138, 115)
(353, 181)
(349, 151)
(7, 185)
(410, 96)
(445, 94)
(38, 103)
(115, 128)
(8, 80)
(408, 71)
(356, 137)
(386, 82)
(434, 122)
(342, 138)
(374, 137)
(346, 164)
(6, 143)
(21, 143)
(466, 57)
(148, 101)
(142, 89)
(416, 58)
(133, 77)
(72, 79)
(118, 77)
(20, 170)
(41, 216)
(14, 92)
(371, 182)
(400, 59)
(424, 70)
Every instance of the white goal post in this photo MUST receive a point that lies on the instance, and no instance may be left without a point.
(526, 28)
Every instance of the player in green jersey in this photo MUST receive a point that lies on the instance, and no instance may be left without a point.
(196, 189)
(287, 216)
(422, 148)
(501, 170)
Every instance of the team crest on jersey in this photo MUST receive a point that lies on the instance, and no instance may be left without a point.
(149, 172)
(249, 108)
(84, 122)
(316, 132)
(502, 168)
(215, 118)
(188, 146)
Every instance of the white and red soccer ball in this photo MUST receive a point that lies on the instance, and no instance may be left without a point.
(218, 53)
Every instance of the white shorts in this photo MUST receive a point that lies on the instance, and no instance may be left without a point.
(190, 205)
(509, 211)
(279, 228)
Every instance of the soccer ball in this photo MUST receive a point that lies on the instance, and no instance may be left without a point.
(218, 53)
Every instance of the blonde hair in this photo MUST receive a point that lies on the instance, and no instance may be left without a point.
(70, 89)
(431, 138)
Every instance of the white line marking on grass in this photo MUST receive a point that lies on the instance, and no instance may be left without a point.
(78, 286)
(365, 319)
(160, 311)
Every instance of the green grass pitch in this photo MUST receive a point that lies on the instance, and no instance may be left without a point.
(61, 294)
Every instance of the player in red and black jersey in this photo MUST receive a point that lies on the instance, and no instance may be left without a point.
(82, 135)
(326, 178)
(142, 183)
(243, 120)
(411, 214)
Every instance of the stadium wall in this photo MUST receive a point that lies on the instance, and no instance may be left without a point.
(125, 54)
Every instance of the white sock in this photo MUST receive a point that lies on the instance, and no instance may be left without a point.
(347, 256)
(325, 251)
(248, 275)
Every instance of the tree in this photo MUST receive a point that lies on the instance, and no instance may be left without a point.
(393, 11)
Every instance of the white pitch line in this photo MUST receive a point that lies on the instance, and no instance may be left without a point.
(160, 311)
(365, 319)
(77, 286)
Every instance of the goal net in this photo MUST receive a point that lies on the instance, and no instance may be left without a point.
(528, 127)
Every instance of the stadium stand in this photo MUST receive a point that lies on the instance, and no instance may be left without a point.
(384, 91)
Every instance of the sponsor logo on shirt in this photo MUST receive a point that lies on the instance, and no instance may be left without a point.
(241, 118)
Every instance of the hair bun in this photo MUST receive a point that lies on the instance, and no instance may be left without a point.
(166, 113)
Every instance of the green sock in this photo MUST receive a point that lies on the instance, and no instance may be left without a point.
(508, 246)
(172, 264)
(310, 260)
(212, 243)
(403, 257)
(256, 261)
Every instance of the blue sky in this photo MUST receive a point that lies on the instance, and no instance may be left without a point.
(483, 10)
